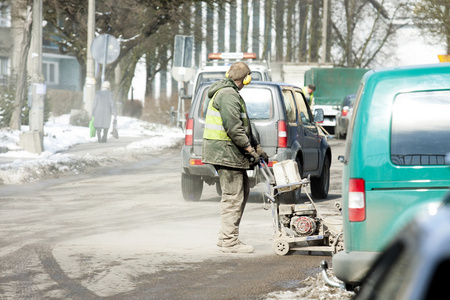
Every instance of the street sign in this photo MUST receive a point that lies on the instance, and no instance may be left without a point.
(183, 49)
(105, 49)
(182, 68)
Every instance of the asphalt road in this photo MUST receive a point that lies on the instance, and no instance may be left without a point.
(125, 232)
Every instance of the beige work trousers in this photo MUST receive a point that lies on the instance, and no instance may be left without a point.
(235, 191)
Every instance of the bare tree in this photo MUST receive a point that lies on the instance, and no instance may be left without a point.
(433, 17)
(363, 32)
(21, 88)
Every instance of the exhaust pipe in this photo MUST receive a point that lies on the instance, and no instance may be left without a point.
(328, 280)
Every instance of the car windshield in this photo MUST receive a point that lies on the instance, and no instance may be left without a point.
(259, 102)
(420, 128)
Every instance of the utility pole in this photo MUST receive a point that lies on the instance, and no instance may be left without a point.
(33, 140)
(37, 79)
(89, 84)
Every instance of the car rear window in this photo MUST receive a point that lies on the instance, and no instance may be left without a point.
(259, 102)
(420, 128)
(215, 76)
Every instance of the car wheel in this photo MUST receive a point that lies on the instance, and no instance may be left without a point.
(337, 132)
(294, 196)
(218, 189)
(320, 185)
(191, 187)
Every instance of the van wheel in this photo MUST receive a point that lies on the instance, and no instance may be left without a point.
(294, 196)
(191, 187)
(320, 186)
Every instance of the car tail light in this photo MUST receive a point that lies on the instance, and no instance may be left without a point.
(356, 200)
(345, 111)
(271, 163)
(189, 133)
(195, 162)
(282, 134)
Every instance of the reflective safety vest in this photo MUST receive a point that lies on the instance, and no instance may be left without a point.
(214, 125)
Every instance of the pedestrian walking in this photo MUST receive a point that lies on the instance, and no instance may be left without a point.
(104, 107)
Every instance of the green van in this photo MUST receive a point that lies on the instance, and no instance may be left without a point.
(394, 163)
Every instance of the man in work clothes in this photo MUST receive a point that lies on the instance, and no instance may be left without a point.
(308, 91)
(227, 144)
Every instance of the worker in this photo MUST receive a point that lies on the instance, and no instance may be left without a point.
(228, 144)
(308, 91)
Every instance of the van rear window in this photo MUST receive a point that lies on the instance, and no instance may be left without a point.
(420, 128)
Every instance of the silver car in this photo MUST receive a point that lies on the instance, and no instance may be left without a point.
(285, 127)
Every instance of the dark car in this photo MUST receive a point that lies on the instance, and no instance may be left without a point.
(415, 265)
(343, 116)
(285, 127)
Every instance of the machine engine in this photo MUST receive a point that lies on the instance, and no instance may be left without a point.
(301, 219)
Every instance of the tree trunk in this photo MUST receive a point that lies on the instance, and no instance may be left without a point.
(256, 35)
(267, 30)
(279, 30)
(233, 28)
(21, 89)
(289, 30)
(315, 31)
(245, 26)
(303, 30)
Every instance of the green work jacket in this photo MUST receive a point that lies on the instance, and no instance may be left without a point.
(227, 131)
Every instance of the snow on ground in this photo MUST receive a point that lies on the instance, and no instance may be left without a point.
(21, 166)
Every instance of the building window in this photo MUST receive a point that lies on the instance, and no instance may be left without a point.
(5, 15)
(50, 72)
(4, 67)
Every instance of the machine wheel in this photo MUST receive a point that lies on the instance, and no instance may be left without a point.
(321, 185)
(191, 187)
(294, 196)
(281, 247)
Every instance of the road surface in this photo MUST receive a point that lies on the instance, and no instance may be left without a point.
(125, 232)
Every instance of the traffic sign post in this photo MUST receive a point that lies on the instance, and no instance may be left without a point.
(182, 70)
(105, 49)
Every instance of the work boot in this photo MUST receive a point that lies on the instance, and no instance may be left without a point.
(238, 248)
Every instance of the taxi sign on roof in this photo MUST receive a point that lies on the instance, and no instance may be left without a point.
(232, 55)
(444, 58)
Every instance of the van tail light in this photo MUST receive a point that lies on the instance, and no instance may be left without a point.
(189, 133)
(282, 134)
(356, 200)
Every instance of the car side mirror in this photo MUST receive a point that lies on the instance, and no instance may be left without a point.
(318, 115)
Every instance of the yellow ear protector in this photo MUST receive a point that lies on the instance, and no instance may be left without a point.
(246, 80)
